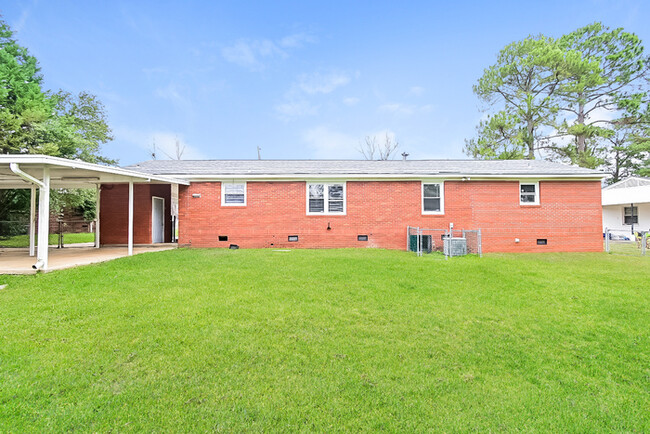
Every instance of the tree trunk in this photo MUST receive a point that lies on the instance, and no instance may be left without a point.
(581, 139)
(530, 138)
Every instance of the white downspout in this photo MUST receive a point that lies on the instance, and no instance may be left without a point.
(27, 177)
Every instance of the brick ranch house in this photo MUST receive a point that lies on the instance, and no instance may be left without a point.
(331, 203)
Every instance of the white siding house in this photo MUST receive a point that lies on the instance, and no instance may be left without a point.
(626, 205)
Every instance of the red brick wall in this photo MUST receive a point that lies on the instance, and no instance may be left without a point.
(569, 215)
(114, 212)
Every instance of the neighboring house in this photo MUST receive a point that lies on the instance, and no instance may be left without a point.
(519, 205)
(626, 205)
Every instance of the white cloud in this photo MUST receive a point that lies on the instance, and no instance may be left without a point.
(296, 103)
(296, 40)
(165, 143)
(254, 53)
(405, 109)
(251, 53)
(178, 95)
(398, 108)
(322, 83)
(326, 143)
(295, 108)
(351, 101)
(416, 91)
(171, 92)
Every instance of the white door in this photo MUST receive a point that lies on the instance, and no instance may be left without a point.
(158, 220)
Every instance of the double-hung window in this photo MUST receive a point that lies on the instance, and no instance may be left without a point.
(233, 194)
(326, 198)
(433, 198)
(529, 193)
(630, 215)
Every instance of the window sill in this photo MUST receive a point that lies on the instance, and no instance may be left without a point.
(322, 214)
(532, 205)
(233, 206)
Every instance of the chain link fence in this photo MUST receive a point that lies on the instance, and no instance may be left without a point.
(15, 233)
(626, 242)
(450, 242)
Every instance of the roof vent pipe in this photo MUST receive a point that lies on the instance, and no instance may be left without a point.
(404, 155)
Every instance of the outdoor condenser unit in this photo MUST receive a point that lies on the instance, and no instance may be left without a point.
(455, 246)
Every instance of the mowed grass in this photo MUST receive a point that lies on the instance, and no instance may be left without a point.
(330, 340)
(23, 240)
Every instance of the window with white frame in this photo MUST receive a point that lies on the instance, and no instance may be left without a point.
(326, 198)
(432, 198)
(630, 215)
(529, 193)
(233, 194)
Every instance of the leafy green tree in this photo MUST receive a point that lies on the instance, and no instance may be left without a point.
(24, 107)
(500, 137)
(523, 82)
(39, 122)
(78, 127)
(605, 84)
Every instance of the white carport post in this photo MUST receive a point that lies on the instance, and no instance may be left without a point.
(32, 222)
(130, 218)
(43, 220)
(97, 211)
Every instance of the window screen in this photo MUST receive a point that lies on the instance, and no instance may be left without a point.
(234, 193)
(528, 193)
(630, 215)
(431, 197)
(326, 198)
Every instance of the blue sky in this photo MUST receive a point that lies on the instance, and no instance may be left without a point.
(299, 79)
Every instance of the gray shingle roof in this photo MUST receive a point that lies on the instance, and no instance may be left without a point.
(293, 168)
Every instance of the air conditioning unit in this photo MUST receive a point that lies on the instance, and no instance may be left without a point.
(455, 246)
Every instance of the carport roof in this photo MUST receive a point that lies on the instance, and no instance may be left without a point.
(66, 173)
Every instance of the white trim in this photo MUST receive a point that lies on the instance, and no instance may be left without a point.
(153, 199)
(441, 183)
(130, 221)
(32, 221)
(97, 215)
(43, 221)
(223, 194)
(326, 184)
(536, 184)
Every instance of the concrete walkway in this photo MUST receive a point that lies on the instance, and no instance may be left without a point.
(18, 261)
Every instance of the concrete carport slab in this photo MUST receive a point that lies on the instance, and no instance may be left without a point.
(43, 173)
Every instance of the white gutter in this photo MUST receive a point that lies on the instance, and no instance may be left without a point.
(16, 169)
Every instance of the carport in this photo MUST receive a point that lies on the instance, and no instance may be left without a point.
(43, 173)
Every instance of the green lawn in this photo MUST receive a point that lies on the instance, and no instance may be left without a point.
(23, 240)
(331, 340)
